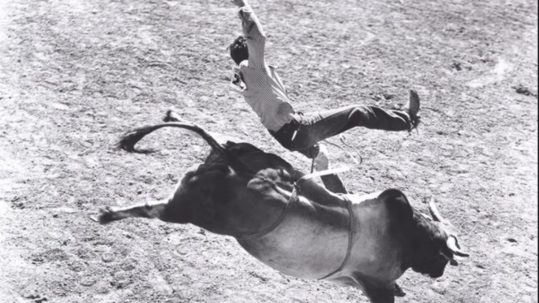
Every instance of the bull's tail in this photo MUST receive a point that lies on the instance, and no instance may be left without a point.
(130, 139)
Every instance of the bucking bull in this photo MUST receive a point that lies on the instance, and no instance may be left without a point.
(289, 222)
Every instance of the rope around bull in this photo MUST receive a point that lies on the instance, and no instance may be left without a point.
(295, 197)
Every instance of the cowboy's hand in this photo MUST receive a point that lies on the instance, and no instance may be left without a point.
(245, 12)
(240, 3)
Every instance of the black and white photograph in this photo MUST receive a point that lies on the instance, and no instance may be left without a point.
(280, 151)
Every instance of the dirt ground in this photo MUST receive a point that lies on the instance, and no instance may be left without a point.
(74, 75)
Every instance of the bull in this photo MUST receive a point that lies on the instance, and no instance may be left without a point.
(292, 224)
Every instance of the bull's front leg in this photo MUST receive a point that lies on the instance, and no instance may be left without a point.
(380, 295)
(376, 291)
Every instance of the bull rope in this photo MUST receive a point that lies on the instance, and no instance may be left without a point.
(351, 223)
(351, 218)
(270, 228)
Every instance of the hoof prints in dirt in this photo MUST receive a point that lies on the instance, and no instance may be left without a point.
(36, 298)
(521, 89)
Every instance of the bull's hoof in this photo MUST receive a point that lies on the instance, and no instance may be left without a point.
(171, 116)
(167, 117)
(106, 215)
(398, 292)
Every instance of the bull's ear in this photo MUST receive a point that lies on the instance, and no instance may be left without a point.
(453, 244)
(449, 258)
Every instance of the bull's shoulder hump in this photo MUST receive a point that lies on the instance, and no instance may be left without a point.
(392, 200)
(359, 199)
(396, 203)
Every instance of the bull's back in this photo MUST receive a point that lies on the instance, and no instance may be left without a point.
(310, 242)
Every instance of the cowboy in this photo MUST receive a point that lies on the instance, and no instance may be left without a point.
(263, 90)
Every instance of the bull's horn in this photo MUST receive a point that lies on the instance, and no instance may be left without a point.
(434, 212)
(453, 244)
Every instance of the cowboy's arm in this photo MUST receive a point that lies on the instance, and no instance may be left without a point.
(253, 32)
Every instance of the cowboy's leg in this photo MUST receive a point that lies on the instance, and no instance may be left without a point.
(285, 137)
(322, 125)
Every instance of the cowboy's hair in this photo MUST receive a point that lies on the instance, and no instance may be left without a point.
(238, 49)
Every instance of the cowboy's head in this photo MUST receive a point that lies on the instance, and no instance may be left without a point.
(238, 50)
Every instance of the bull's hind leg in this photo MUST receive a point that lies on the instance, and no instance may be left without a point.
(156, 210)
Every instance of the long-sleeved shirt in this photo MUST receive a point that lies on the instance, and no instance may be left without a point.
(263, 90)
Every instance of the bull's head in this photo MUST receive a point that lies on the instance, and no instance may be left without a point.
(452, 241)
(436, 244)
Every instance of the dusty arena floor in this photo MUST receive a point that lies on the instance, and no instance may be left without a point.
(74, 75)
